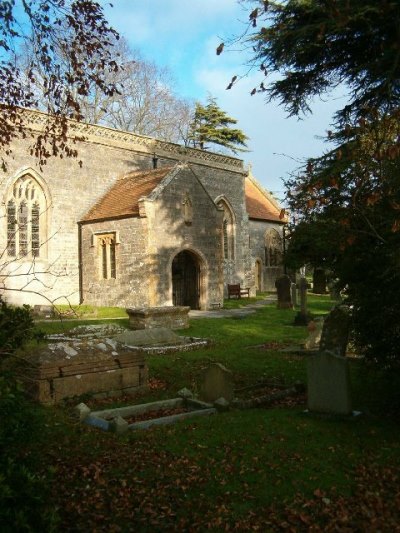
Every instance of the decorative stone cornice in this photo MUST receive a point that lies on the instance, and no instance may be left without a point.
(37, 121)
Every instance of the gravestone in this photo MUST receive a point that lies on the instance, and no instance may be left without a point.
(216, 382)
(283, 289)
(335, 331)
(302, 318)
(293, 289)
(319, 281)
(328, 384)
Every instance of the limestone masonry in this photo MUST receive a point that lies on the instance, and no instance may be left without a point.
(141, 223)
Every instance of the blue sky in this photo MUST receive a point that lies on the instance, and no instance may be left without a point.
(183, 36)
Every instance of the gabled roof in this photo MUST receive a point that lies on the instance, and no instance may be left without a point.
(122, 200)
(260, 204)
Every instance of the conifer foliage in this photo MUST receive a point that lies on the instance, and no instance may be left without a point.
(211, 125)
(347, 200)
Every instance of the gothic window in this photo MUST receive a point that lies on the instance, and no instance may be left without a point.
(273, 248)
(106, 254)
(228, 231)
(26, 219)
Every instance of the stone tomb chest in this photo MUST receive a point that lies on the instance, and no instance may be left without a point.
(172, 317)
(101, 367)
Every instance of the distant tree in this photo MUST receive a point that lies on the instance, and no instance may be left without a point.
(211, 125)
(145, 102)
(77, 28)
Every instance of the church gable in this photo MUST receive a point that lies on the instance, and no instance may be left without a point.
(122, 200)
(260, 204)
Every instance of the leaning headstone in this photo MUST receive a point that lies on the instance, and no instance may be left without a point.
(328, 384)
(283, 289)
(215, 382)
(335, 331)
(319, 281)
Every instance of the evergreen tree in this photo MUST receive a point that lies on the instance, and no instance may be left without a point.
(348, 200)
(212, 125)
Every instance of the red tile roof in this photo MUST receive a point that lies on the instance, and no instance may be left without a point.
(259, 206)
(122, 200)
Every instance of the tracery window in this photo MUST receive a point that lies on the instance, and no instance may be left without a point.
(106, 254)
(26, 219)
(228, 231)
(273, 248)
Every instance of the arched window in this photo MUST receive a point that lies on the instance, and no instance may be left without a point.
(26, 219)
(106, 254)
(228, 231)
(273, 248)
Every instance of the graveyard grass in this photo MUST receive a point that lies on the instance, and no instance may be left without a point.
(265, 469)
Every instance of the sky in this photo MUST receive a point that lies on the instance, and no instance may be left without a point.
(183, 36)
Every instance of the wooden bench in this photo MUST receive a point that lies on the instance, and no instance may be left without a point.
(237, 291)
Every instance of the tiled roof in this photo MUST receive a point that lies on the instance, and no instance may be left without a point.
(259, 206)
(123, 197)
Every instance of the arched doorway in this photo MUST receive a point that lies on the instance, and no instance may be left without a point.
(186, 280)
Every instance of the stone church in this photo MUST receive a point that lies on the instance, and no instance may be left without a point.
(141, 222)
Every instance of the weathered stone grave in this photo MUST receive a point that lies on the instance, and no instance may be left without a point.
(101, 367)
(159, 341)
(335, 331)
(172, 317)
(283, 289)
(302, 318)
(122, 419)
(216, 382)
(328, 384)
(314, 329)
(293, 290)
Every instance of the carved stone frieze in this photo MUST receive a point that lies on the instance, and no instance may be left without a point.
(37, 121)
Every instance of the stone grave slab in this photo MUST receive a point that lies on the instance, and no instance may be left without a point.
(328, 384)
(150, 337)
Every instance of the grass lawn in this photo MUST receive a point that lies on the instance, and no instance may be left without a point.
(275, 469)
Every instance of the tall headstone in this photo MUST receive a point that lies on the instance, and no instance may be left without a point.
(328, 383)
(283, 289)
(216, 382)
(302, 318)
(335, 331)
(293, 289)
(303, 285)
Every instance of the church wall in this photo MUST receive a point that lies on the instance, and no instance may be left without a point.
(230, 186)
(72, 190)
(170, 233)
(258, 229)
(129, 288)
